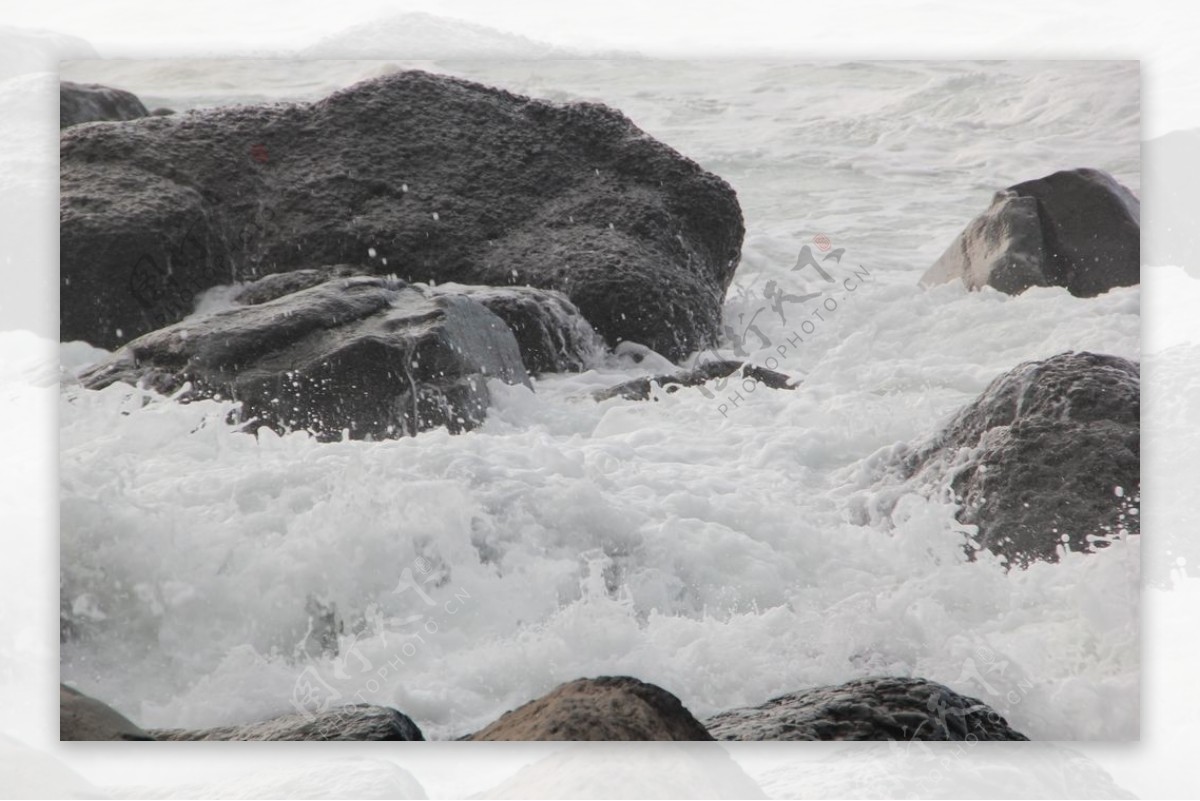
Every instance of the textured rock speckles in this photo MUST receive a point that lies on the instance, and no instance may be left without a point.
(1047, 457)
(442, 179)
(889, 708)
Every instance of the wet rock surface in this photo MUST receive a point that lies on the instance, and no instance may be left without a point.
(1079, 229)
(82, 717)
(900, 709)
(355, 722)
(1047, 457)
(90, 102)
(428, 177)
(370, 356)
(605, 708)
(642, 388)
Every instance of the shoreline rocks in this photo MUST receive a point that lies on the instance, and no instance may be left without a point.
(1047, 457)
(1079, 229)
(357, 722)
(81, 717)
(430, 178)
(889, 708)
(370, 356)
(618, 708)
(91, 102)
(604, 708)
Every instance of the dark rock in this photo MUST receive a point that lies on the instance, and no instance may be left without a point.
(162, 112)
(428, 177)
(550, 331)
(90, 102)
(1037, 459)
(552, 334)
(900, 709)
(1079, 229)
(354, 722)
(81, 717)
(275, 286)
(640, 388)
(605, 708)
(369, 355)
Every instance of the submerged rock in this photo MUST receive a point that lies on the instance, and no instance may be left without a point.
(640, 388)
(605, 708)
(428, 177)
(1047, 457)
(81, 717)
(354, 722)
(890, 708)
(90, 102)
(1079, 229)
(371, 356)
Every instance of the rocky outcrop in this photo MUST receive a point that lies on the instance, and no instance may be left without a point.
(431, 178)
(605, 708)
(371, 356)
(1047, 457)
(90, 102)
(1078, 229)
(81, 717)
(892, 708)
(641, 388)
(354, 722)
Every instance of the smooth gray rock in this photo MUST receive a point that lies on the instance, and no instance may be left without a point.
(553, 335)
(1079, 229)
(81, 717)
(1035, 461)
(370, 355)
(888, 708)
(91, 102)
(354, 722)
(443, 180)
(604, 708)
(640, 388)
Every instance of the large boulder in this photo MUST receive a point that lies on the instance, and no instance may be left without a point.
(81, 717)
(431, 178)
(1078, 229)
(353, 722)
(604, 708)
(1047, 457)
(370, 355)
(889, 708)
(91, 102)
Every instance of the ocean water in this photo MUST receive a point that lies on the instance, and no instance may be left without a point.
(718, 542)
